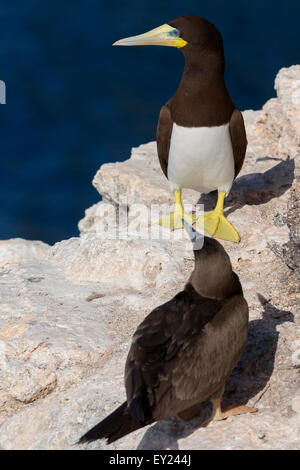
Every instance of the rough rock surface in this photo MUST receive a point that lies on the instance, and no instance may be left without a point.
(68, 311)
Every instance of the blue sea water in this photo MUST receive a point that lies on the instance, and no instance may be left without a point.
(74, 102)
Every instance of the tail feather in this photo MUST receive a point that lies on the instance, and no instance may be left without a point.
(116, 425)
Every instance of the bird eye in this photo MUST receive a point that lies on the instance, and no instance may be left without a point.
(175, 33)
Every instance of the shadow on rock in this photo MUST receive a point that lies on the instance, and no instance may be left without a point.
(250, 376)
(256, 365)
(255, 188)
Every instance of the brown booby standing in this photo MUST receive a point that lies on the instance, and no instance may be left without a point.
(184, 351)
(201, 138)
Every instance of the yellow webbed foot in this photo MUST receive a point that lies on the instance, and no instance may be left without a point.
(176, 220)
(216, 224)
(219, 227)
(226, 231)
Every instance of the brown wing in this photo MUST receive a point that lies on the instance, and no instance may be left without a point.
(210, 359)
(178, 356)
(152, 343)
(238, 139)
(163, 137)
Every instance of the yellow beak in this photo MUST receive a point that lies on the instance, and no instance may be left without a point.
(164, 35)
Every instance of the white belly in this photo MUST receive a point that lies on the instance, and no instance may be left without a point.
(201, 158)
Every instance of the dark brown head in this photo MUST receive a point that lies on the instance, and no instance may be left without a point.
(186, 33)
(202, 84)
(213, 276)
(198, 33)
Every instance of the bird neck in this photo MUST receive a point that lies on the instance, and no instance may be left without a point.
(202, 98)
(218, 286)
(203, 69)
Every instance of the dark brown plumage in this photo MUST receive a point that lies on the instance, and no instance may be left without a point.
(202, 99)
(184, 350)
(201, 137)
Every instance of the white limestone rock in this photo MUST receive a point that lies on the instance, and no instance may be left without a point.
(67, 312)
(17, 250)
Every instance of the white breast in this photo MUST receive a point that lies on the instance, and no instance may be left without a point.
(201, 158)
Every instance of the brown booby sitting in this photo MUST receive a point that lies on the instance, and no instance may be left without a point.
(184, 351)
(201, 138)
